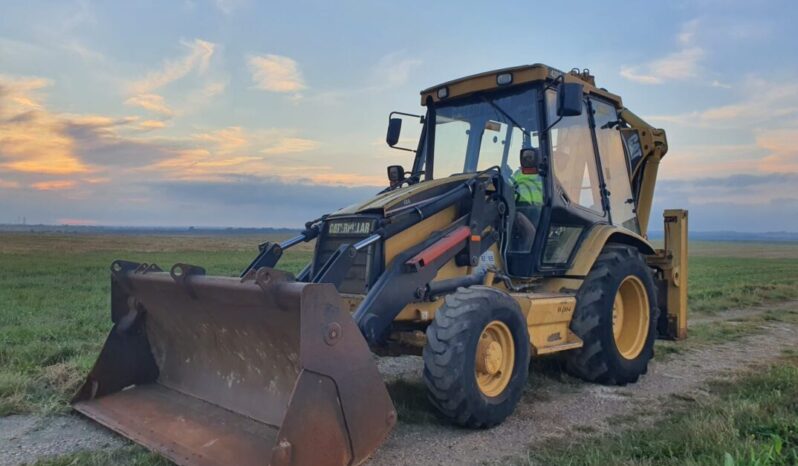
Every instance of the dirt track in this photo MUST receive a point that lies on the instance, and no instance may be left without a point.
(553, 405)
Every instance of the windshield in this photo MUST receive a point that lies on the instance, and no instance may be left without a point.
(484, 131)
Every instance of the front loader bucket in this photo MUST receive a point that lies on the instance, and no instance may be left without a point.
(216, 370)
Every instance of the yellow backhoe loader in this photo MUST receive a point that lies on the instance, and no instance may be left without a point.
(519, 232)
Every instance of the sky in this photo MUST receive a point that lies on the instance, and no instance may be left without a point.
(254, 113)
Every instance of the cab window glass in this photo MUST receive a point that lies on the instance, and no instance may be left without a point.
(573, 158)
(614, 165)
(451, 137)
(484, 131)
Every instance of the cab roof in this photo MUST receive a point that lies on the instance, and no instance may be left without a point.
(523, 74)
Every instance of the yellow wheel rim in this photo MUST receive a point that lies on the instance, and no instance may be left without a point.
(495, 358)
(630, 317)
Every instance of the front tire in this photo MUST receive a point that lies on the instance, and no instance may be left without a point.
(476, 360)
(616, 316)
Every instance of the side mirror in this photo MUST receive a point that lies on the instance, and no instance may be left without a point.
(569, 99)
(531, 160)
(396, 174)
(394, 129)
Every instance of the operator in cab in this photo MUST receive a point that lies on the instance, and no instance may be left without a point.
(528, 184)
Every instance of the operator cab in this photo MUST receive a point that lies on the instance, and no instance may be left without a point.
(553, 137)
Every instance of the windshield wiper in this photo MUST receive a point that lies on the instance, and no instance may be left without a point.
(501, 110)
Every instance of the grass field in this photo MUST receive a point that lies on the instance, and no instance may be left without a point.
(54, 316)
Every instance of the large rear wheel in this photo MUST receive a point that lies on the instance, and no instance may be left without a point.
(616, 316)
(476, 360)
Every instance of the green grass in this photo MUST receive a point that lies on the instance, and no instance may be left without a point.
(749, 421)
(719, 283)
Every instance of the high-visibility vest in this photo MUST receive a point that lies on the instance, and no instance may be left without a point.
(528, 188)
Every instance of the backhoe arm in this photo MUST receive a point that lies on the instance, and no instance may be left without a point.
(646, 146)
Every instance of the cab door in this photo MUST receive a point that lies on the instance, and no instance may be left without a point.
(574, 194)
(614, 165)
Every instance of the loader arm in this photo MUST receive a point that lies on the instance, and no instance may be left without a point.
(408, 276)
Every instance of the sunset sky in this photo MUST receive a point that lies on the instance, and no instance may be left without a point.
(245, 113)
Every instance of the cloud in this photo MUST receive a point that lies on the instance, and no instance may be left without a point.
(77, 48)
(782, 150)
(56, 185)
(31, 138)
(234, 151)
(766, 116)
(149, 125)
(679, 65)
(290, 203)
(275, 73)
(764, 103)
(197, 58)
(212, 89)
(225, 140)
(152, 102)
(393, 70)
(744, 190)
(685, 161)
(291, 145)
(9, 184)
(227, 6)
(750, 202)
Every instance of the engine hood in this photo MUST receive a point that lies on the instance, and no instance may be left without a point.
(387, 201)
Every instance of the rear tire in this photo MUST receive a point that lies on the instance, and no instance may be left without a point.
(478, 335)
(610, 356)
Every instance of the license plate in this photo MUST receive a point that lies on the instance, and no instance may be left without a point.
(350, 227)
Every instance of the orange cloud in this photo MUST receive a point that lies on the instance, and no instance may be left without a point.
(56, 185)
(225, 140)
(291, 145)
(8, 184)
(346, 179)
(152, 102)
(783, 154)
(276, 73)
(684, 63)
(31, 138)
(709, 160)
(149, 125)
(197, 58)
(197, 160)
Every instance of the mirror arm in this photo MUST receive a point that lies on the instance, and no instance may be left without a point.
(555, 82)
(554, 123)
(420, 117)
(421, 120)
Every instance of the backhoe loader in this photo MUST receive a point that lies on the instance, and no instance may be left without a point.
(520, 231)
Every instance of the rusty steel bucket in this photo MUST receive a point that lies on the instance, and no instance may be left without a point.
(216, 370)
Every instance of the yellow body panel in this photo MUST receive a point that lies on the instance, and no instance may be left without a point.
(548, 318)
(591, 247)
(412, 236)
(401, 197)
